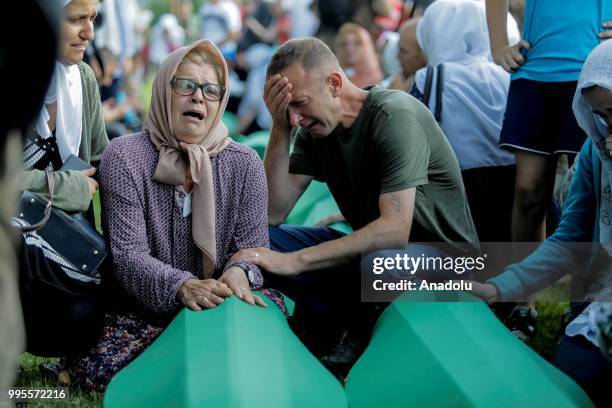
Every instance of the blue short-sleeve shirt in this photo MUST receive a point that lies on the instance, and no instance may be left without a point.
(561, 34)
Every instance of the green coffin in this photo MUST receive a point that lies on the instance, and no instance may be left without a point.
(235, 355)
(453, 354)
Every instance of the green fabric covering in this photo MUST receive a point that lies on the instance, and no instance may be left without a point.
(315, 204)
(453, 354)
(239, 138)
(235, 355)
(231, 122)
(315, 192)
(258, 141)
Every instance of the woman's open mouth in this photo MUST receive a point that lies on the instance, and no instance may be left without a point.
(194, 114)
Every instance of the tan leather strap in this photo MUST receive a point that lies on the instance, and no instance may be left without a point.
(41, 223)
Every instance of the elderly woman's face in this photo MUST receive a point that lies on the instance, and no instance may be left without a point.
(77, 30)
(192, 116)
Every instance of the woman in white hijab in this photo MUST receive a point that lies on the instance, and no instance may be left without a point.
(586, 218)
(69, 124)
(453, 36)
(71, 121)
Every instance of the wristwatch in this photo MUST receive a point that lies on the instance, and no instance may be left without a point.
(248, 270)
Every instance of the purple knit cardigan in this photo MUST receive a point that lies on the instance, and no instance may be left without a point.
(150, 239)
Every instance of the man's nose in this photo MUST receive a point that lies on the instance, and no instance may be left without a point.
(294, 118)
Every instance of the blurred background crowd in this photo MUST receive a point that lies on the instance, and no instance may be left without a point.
(134, 36)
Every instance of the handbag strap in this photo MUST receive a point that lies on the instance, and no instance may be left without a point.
(439, 90)
(47, 213)
(429, 78)
(429, 73)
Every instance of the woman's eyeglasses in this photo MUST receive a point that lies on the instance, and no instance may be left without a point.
(187, 87)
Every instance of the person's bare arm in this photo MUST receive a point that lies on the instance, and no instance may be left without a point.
(245, 120)
(390, 230)
(266, 34)
(284, 188)
(504, 55)
(330, 219)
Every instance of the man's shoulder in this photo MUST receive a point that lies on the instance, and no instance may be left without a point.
(397, 111)
(390, 101)
(385, 104)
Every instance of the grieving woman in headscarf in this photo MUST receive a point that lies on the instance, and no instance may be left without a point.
(586, 218)
(179, 199)
(357, 55)
(472, 99)
(70, 122)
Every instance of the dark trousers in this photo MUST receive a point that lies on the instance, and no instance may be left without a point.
(586, 364)
(329, 299)
(318, 290)
(490, 193)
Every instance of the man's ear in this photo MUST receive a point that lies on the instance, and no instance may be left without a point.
(335, 83)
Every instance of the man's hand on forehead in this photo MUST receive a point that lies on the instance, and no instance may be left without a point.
(277, 83)
(277, 97)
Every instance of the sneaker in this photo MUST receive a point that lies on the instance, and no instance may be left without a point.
(522, 322)
(341, 359)
(57, 372)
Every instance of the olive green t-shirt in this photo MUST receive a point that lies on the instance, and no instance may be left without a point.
(393, 144)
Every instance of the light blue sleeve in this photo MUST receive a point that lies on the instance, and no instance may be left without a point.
(552, 260)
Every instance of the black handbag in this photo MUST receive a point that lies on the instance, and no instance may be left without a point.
(60, 283)
(67, 239)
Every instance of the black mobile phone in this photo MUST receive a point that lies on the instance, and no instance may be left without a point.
(75, 163)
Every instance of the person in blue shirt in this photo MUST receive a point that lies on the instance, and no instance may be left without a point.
(586, 219)
(538, 124)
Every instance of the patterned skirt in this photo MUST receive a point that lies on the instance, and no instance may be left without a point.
(123, 339)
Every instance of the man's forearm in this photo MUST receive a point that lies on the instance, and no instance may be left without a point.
(379, 234)
(497, 20)
(276, 164)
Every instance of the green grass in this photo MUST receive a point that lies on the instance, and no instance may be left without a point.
(30, 376)
(550, 317)
(548, 328)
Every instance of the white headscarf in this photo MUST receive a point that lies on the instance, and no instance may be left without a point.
(454, 33)
(65, 89)
(597, 71)
(390, 63)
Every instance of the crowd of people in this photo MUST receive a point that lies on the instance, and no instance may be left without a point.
(430, 122)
